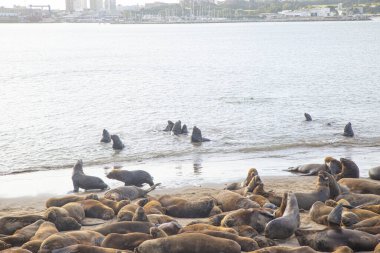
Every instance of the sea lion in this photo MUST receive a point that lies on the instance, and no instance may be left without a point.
(196, 136)
(22, 235)
(356, 199)
(9, 224)
(321, 193)
(106, 137)
(125, 227)
(285, 249)
(371, 225)
(191, 209)
(61, 240)
(4, 245)
(349, 169)
(334, 166)
(190, 243)
(16, 250)
(236, 186)
(128, 192)
(285, 226)
(361, 185)
(177, 128)
(229, 201)
(61, 218)
(170, 228)
(140, 215)
(117, 144)
(131, 177)
(374, 173)
(75, 210)
(128, 241)
(271, 196)
(254, 217)
(159, 218)
(348, 132)
(154, 207)
(307, 116)
(184, 130)
(81, 180)
(81, 248)
(95, 209)
(202, 227)
(61, 201)
(308, 169)
(115, 205)
(157, 233)
(169, 127)
(127, 212)
(246, 231)
(45, 230)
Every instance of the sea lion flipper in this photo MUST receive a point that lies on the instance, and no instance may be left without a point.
(334, 219)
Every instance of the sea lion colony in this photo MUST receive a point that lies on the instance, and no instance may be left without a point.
(243, 217)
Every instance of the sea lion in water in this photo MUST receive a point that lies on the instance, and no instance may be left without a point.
(22, 235)
(189, 243)
(348, 132)
(169, 127)
(81, 248)
(128, 192)
(106, 137)
(125, 227)
(184, 129)
(128, 241)
(45, 230)
(285, 226)
(131, 177)
(307, 116)
(374, 173)
(61, 240)
(61, 218)
(61, 201)
(349, 169)
(81, 180)
(9, 224)
(196, 136)
(177, 128)
(321, 193)
(254, 217)
(117, 144)
(229, 201)
(361, 185)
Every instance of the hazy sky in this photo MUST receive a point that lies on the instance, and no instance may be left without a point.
(60, 4)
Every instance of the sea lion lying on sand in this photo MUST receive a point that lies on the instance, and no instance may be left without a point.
(229, 201)
(9, 224)
(181, 208)
(61, 201)
(254, 217)
(117, 144)
(189, 243)
(80, 180)
(349, 169)
(22, 235)
(140, 215)
(321, 193)
(96, 209)
(81, 248)
(356, 199)
(106, 137)
(285, 226)
(259, 190)
(45, 230)
(159, 218)
(154, 207)
(203, 227)
(127, 212)
(115, 205)
(171, 228)
(61, 240)
(128, 192)
(128, 241)
(361, 185)
(374, 173)
(61, 218)
(131, 177)
(313, 168)
(125, 227)
(235, 186)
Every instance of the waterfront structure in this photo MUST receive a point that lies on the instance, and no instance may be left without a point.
(76, 5)
(315, 12)
(96, 5)
(110, 5)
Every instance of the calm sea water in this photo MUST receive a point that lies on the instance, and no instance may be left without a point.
(245, 85)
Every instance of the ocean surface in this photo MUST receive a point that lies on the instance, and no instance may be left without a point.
(246, 86)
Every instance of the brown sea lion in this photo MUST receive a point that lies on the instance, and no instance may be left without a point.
(22, 235)
(235, 186)
(83, 181)
(157, 233)
(361, 185)
(140, 215)
(128, 192)
(154, 207)
(202, 227)
(191, 209)
(229, 201)
(81, 248)
(126, 212)
(61, 240)
(159, 218)
(45, 230)
(310, 169)
(115, 205)
(131, 177)
(246, 231)
(75, 210)
(349, 169)
(61, 201)
(95, 209)
(128, 241)
(189, 243)
(377, 249)
(271, 196)
(356, 199)
(9, 224)
(4, 245)
(334, 165)
(170, 228)
(16, 250)
(285, 249)
(254, 217)
(283, 227)
(321, 193)
(61, 218)
(125, 227)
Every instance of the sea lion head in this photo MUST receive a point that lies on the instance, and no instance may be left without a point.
(334, 219)
(157, 233)
(323, 179)
(78, 167)
(113, 174)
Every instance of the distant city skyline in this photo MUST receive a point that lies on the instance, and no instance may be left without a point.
(60, 4)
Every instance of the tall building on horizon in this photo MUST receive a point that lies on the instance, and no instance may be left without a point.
(76, 5)
(110, 5)
(96, 5)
